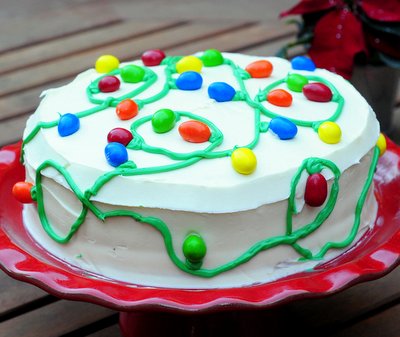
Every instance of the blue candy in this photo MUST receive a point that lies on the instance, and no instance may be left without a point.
(68, 125)
(283, 128)
(303, 63)
(189, 80)
(221, 91)
(116, 154)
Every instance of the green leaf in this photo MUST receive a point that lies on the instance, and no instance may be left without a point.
(298, 23)
(283, 52)
(386, 27)
(389, 61)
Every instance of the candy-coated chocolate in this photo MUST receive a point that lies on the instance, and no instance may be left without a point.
(109, 84)
(260, 69)
(296, 82)
(68, 125)
(189, 63)
(22, 192)
(189, 80)
(132, 74)
(316, 190)
(212, 58)
(153, 57)
(317, 92)
(303, 63)
(119, 135)
(283, 128)
(330, 132)
(194, 248)
(221, 91)
(194, 131)
(244, 160)
(381, 143)
(163, 120)
(280, 97)
(127, 109)
(116, 154)
(106, 63)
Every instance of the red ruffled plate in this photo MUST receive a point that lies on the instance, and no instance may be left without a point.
(377, 253)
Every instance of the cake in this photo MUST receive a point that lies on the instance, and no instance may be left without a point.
(209, 170)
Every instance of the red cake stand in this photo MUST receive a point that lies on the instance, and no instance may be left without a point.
(376, 254)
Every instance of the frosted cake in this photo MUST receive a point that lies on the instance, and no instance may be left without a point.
(203, 171)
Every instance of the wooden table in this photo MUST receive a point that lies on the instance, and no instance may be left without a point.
(51, 55)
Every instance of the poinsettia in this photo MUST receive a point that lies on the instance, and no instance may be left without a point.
(337, 32)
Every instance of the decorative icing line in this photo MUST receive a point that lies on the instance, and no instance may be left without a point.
(311, 165)
(129, 168)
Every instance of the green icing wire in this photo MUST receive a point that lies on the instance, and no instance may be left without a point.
(310, 165)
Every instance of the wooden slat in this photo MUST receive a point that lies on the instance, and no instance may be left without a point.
(112, 331)
(270, 48)
(14, 294)
(54, 320)
(63, 47)
(329, 312)
(60, 22)
(244, 38)
(63, 68)
(11, 130)
(51, 24)
(26, 101)
(384, 324)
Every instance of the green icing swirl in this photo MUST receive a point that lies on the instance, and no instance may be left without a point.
(310, 165)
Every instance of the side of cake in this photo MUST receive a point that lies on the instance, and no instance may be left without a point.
(209, 170)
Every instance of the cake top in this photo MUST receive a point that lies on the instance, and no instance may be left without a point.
(212, 132)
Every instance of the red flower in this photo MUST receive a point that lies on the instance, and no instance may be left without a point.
(338, 37)
(381, 10)
(310, 6)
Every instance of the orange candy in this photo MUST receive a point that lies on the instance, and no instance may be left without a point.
(260, 69)
(280, 97)
(127, 109)
(22, 192)
(194, 132)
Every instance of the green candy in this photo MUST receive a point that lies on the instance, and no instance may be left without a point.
(212, 58)
(132, 74)
(194, 248)
(296, 82)
(163, 120)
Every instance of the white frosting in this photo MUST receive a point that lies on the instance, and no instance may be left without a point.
(232, 212)
(221, 189)
(126, 250)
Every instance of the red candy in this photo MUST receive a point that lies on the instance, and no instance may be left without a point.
(317, 92)
(260, 69)
(22, 192)
(280, 97)
(194, 132)
(120, 135)
(153, 57)
(316, 190)
(127, 109)
(109, 84)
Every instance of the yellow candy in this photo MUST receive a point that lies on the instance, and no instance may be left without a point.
(381, 144)
(106, 63)
(189, 63)
(244, 160)
(329, 132)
